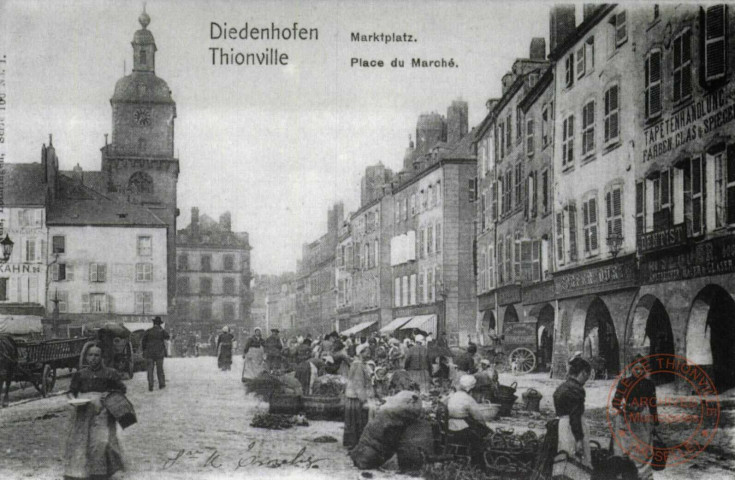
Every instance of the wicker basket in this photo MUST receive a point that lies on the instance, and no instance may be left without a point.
(490, 411)
(284, 403)
(120, 407)
(505, 390)
(323, 408)
(533, 400)
(506, 404)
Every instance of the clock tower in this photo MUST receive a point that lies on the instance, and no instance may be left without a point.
(139, 164)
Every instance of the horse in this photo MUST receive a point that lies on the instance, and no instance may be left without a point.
(8, 362)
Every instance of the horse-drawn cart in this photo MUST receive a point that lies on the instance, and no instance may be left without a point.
(39, 360)
(520, 346)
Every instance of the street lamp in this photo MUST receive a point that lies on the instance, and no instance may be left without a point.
(614, 243)
(7, 245)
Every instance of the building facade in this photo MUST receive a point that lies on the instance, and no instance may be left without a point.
(213, 283)
(344, 268)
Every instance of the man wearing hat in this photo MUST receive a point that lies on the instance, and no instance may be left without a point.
(273, 347)
(154, 350)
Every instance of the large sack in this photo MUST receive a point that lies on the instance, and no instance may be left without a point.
(290, 385)
(379, 440)
(417, 437)
(404, 406)
(366, 458)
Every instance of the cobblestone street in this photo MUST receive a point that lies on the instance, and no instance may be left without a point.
(198, 427)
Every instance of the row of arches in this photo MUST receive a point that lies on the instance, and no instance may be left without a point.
(709, 334)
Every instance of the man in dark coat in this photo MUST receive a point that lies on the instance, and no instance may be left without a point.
(466, 362)
(154, 350)
(273, 347)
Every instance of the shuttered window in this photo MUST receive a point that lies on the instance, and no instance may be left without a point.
(612, 115)
(567, 143)
(517, 274)
(614, 210)
(519, 185)
(508, 135)
(501, 273)
(697, 180)
(569, 70)
(588, 128)
(640, 208)
(559, 240)
(730, 186)
(545, 125)
(683, 66)
(580, 62)
(97, 272)
(545, 191)
(481, 275)
(529, 137)
(490, 271)
(715, 42)
(589, 219)
(621, 28)
(653, 84)
(438, 234)
(508, 259)
(573, 251)
(397, 292)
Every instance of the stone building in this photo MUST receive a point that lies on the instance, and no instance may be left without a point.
(138, 164)
(344, 267)
(684, 167)
(433, 231)
(596, 103)
(512, 244)
(213, 281)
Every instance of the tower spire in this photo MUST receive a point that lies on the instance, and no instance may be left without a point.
(144, 46)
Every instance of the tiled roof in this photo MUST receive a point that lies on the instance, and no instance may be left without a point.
(95, 180)
(462, 149)
(77, 204)
(23, 184)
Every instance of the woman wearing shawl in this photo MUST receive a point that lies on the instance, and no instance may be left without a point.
(224, 349)
(359, 390)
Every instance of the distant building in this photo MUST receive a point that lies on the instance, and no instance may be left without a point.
(213, 283)
(344, 268)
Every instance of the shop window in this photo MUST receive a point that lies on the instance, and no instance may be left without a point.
(143, 302)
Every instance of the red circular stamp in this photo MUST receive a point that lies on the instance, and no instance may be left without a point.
(636, 414)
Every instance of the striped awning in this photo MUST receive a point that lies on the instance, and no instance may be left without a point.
(395, 324)
(426, 323)
(358, 328)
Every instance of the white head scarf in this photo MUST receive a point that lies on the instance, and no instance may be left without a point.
(360, 348)
(420, 339)
(467, 382)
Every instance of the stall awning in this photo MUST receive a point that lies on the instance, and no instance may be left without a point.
(358, 328)
(427, 323)
(395, 324)
(21, 325)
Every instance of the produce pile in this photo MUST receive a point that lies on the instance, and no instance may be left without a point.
(329, 386)
(278, 422)
(455, 470)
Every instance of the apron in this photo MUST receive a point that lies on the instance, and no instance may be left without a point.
(624, 442)
(566, 463)
(254, 363)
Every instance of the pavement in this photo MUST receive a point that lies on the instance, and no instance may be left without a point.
(198, 427)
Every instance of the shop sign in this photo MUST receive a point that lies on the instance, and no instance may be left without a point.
(620, 273)
(714, 257)
(508, 295)
(415, 311)
(662, 238)
(694, 121)
(519, 333)
(539, 292)
(20, 268)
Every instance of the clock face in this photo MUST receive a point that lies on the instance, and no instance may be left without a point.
(142, 117)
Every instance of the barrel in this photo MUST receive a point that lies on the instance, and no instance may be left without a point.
(323, 408)
(285, 403)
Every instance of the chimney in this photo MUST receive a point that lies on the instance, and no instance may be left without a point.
(195, 222)
(78, 174)
(457, 121)
(588, 9)
(508, 80)
(225, 221)
(562, 24)
(538, 49)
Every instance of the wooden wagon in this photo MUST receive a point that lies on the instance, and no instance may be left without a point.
(39, 360)
(520, 347)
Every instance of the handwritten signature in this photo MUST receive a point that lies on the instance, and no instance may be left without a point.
(214, 460)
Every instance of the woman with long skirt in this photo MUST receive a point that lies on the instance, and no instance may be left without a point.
(254, 356)
(224, 349)
(357, 392)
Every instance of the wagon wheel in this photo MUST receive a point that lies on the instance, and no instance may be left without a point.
(524, 358)
(83, 355)
(130, 361)
(48, 379)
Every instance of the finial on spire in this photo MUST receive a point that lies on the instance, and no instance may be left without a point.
(144, 19)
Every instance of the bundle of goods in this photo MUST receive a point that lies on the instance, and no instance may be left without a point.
(272, 422)
(454, 470)
(532, 398)
(384, 434)
(329, 386)
(267, 384)
(511, 455)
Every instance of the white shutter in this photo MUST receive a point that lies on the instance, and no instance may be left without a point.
(85, 303)
(55, 272)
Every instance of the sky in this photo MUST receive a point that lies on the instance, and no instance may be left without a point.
(274, 145)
